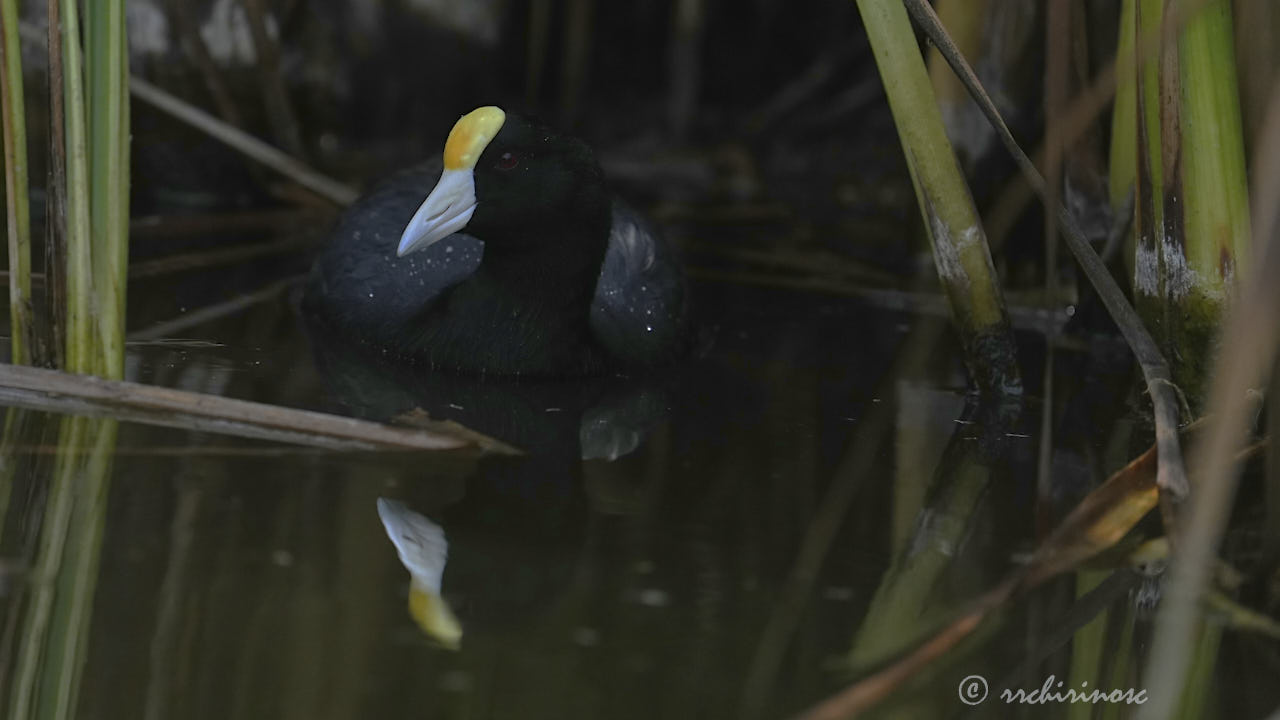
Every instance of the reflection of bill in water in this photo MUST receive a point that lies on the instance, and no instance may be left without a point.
(423, 551)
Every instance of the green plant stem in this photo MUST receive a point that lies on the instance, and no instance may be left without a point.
(1124, 111)
(80, 357)
(109, 179)
(15, 166)
(1250, 340)
(959, 243)
(1215, 208)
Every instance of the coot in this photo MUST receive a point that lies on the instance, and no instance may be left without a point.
(519, 262)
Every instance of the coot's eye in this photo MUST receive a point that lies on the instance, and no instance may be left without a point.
(507, 161)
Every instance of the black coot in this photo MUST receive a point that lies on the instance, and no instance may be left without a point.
(520, 261)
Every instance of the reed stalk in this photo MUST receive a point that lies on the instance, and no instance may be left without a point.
(108, 108)
(80, 357)
(1250, 340)
(951, 220)
(1215, 192)
(1148, 219)
(55, 232)
(15, 172)
(1191, 211)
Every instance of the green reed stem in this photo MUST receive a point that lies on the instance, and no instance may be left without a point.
(1215, 208)
(1191, 211)
(15, 173)
(80, 355)
(109, 178)
(959, 242)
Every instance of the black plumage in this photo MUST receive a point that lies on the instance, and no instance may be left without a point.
(552, 276)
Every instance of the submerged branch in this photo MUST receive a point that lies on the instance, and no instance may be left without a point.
(50, 390)
(1172, 474)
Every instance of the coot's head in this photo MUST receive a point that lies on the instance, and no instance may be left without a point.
(509, 181)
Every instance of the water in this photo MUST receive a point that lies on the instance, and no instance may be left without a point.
(781, 516)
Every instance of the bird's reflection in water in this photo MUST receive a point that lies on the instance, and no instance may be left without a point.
(423, 550)
(514, 532)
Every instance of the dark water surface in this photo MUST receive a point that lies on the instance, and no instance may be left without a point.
(780, 517)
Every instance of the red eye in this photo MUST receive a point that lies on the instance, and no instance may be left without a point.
(507, 161)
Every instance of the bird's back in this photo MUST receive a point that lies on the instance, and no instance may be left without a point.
(359, 287)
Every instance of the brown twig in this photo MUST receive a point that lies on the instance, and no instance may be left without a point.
(875, 688)
(50, 390)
